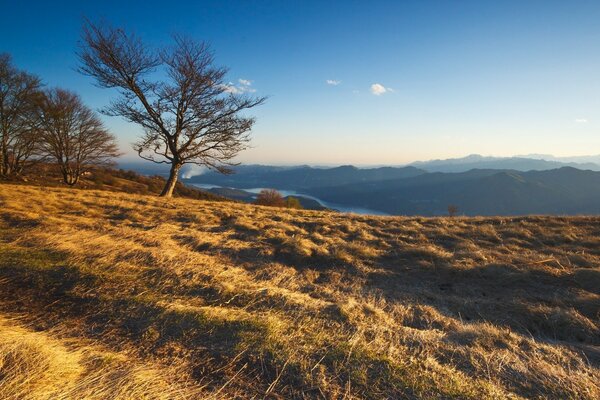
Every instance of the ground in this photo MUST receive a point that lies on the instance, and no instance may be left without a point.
(109, 295)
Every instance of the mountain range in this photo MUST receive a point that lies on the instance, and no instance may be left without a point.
(303, 177)
(475, 184)
(537, 162)
(565, 190)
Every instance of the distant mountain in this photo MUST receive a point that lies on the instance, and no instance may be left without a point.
(477, 185)
(302, 177)
(594, 159)
(477, 192)
(524, 163)
(414, 191)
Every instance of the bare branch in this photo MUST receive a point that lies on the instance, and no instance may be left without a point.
(19, 91)
(176, 95)
(73, 135)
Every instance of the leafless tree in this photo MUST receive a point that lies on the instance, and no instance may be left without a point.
(19, 91)
(73, 135)
(187, 110)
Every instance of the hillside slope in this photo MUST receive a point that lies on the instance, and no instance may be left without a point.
(117, 180)
(107, 295)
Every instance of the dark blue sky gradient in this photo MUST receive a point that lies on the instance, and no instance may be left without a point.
(500, 78)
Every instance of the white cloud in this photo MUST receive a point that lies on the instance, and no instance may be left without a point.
(244, 86)
(378, 89)
(230, 88)
(333, 82)
(581, 120)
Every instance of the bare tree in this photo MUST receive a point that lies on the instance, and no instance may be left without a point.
(73, 135)
(18, 126)
(188, 112)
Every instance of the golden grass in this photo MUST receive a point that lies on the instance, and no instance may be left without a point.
(109, 295)
(35, 365)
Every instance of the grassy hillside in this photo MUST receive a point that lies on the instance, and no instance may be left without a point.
(118, 180)
(123, 296)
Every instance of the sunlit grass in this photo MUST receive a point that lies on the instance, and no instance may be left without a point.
(141, 297)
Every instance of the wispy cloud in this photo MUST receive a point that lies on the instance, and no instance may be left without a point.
(378, 89)
(333, 82)
(230, 88)
(243, 86)
(581, 120)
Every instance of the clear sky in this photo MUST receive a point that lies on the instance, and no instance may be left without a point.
(362, 82)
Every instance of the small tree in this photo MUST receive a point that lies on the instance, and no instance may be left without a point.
(19, 92)
(188, 112)
(73, 135)
(292, 202)
(452, 210)
(270, 197)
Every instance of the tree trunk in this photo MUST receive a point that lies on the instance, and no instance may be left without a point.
(170, 185)
(70, 177)
(5, 167)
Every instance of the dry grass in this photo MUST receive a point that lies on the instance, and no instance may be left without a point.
(108, 295)
(36, 365)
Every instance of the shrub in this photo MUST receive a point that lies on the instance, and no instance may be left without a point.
(292, 202)
(270, 197)
(452, 210)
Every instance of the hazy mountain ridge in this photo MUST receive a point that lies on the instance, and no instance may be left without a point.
(303, 177)
(520, 163)
(415, 191)
(255, 172)
(480, 192)
(594, 159)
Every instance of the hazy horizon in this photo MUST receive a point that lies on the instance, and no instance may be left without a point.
(365, 84)
(132, 158)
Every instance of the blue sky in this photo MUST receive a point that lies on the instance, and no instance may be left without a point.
(458, 77)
